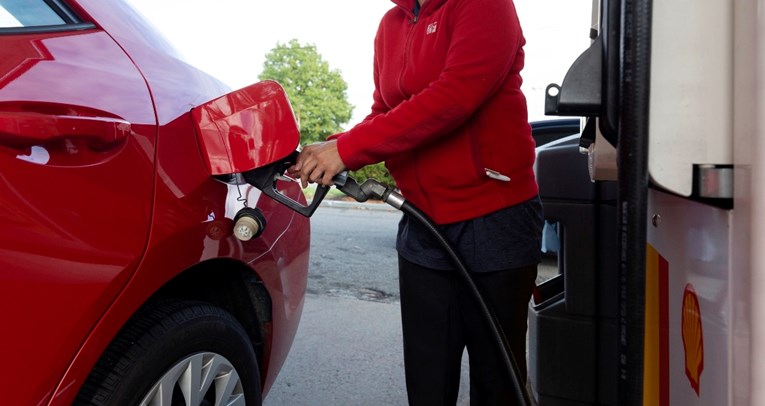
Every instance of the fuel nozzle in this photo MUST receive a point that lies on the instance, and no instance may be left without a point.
(371, 188)
(266, 177)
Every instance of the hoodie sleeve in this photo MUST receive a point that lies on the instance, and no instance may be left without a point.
(485, 38)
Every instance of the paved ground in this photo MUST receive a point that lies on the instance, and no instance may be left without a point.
(347, 352)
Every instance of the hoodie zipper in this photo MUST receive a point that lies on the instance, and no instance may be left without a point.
(408, 48)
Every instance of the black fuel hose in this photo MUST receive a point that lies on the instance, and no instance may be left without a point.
(372, 188)
(489, 315)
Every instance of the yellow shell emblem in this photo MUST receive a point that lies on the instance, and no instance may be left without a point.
(693, 337)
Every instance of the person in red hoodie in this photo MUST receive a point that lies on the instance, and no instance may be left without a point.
(450, 122)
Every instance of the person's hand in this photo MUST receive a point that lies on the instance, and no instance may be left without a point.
(319, 163)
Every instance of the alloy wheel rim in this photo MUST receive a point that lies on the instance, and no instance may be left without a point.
(202, 379)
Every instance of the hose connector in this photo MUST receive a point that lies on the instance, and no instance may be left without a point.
(370, 189)
(394, 198)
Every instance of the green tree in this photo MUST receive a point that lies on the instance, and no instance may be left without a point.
(316, 92)
(318, 96)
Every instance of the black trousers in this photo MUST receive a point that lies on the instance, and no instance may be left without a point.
(440, 318)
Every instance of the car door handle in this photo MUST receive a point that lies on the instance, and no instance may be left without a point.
(22, 129)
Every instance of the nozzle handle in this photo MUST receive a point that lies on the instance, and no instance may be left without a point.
(266, 177)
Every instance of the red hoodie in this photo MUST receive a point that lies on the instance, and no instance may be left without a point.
(448, 107)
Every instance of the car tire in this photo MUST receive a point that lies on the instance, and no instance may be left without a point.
(174, 344)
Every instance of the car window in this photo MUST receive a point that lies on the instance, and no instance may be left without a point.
(27, 13)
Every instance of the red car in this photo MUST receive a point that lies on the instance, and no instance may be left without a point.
(121, 281)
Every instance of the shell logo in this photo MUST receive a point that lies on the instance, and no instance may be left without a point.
(693, 337)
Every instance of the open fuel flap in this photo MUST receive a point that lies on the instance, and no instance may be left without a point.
(252, 134)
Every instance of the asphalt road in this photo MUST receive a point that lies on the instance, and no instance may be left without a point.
(348, 348)
(353, 251)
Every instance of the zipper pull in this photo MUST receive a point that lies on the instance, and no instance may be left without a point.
(496, 175)
(416, 12)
